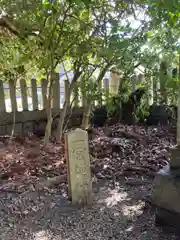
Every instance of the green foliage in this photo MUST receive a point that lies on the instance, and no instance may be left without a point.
(142, 112)
(79, 32)
(86, 35)
(114, 103)
(88, 86)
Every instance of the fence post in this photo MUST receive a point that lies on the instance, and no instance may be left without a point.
(12, 90)
(34, 94)
(23, 87)
(56, 92)
(2, 98)
(44, 84)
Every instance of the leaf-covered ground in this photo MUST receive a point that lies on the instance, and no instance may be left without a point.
(115, 152)
(124, 160)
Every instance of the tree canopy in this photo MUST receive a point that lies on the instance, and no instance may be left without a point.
(84, 36)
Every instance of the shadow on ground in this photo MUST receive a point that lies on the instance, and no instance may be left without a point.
(116, 213)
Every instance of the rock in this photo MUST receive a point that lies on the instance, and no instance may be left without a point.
(99, 116)
(129, 108)
(161, 114)
(136, 96)
(126, 112)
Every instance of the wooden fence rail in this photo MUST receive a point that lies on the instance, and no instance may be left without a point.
(35, 99)
(29, 103)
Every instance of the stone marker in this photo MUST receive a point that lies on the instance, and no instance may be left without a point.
(78, 163)
(166, 192)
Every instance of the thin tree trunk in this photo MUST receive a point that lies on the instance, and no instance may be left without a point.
(121, 84)
(87, 108)
(14, 123)
(149, 81)
(178, 114)
(66, 105)
(14, 115)
(155, 89)
(86, 115)
(150, 97)
(48, 127)
(12, 88)
(49, 113)
(163, 80)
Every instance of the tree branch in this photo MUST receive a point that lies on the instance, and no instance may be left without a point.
(8, 23)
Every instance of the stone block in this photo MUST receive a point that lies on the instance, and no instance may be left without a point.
(165, 197)
(78, 163)
(166, 190)
(175, 158)
(170, 221)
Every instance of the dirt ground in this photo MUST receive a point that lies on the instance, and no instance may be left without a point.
(118, 154)
(117, 212)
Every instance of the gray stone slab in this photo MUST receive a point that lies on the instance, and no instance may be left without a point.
(166, 190)
(175, 158)
(165, 197)
(170, 221)
(78, 162)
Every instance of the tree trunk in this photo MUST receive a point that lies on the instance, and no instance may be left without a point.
(178, 114)
(66, 105)
(151, 92)
(155, 89)
(87, 107)
(86, 115)
(13, 86)
(149, 81)
(163, 80)
(121, 84)
(49, 112)
(48, 127)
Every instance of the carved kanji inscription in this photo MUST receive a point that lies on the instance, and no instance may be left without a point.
(78, 162)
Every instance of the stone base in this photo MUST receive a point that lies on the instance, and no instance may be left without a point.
(166, 198)
(170, 221)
